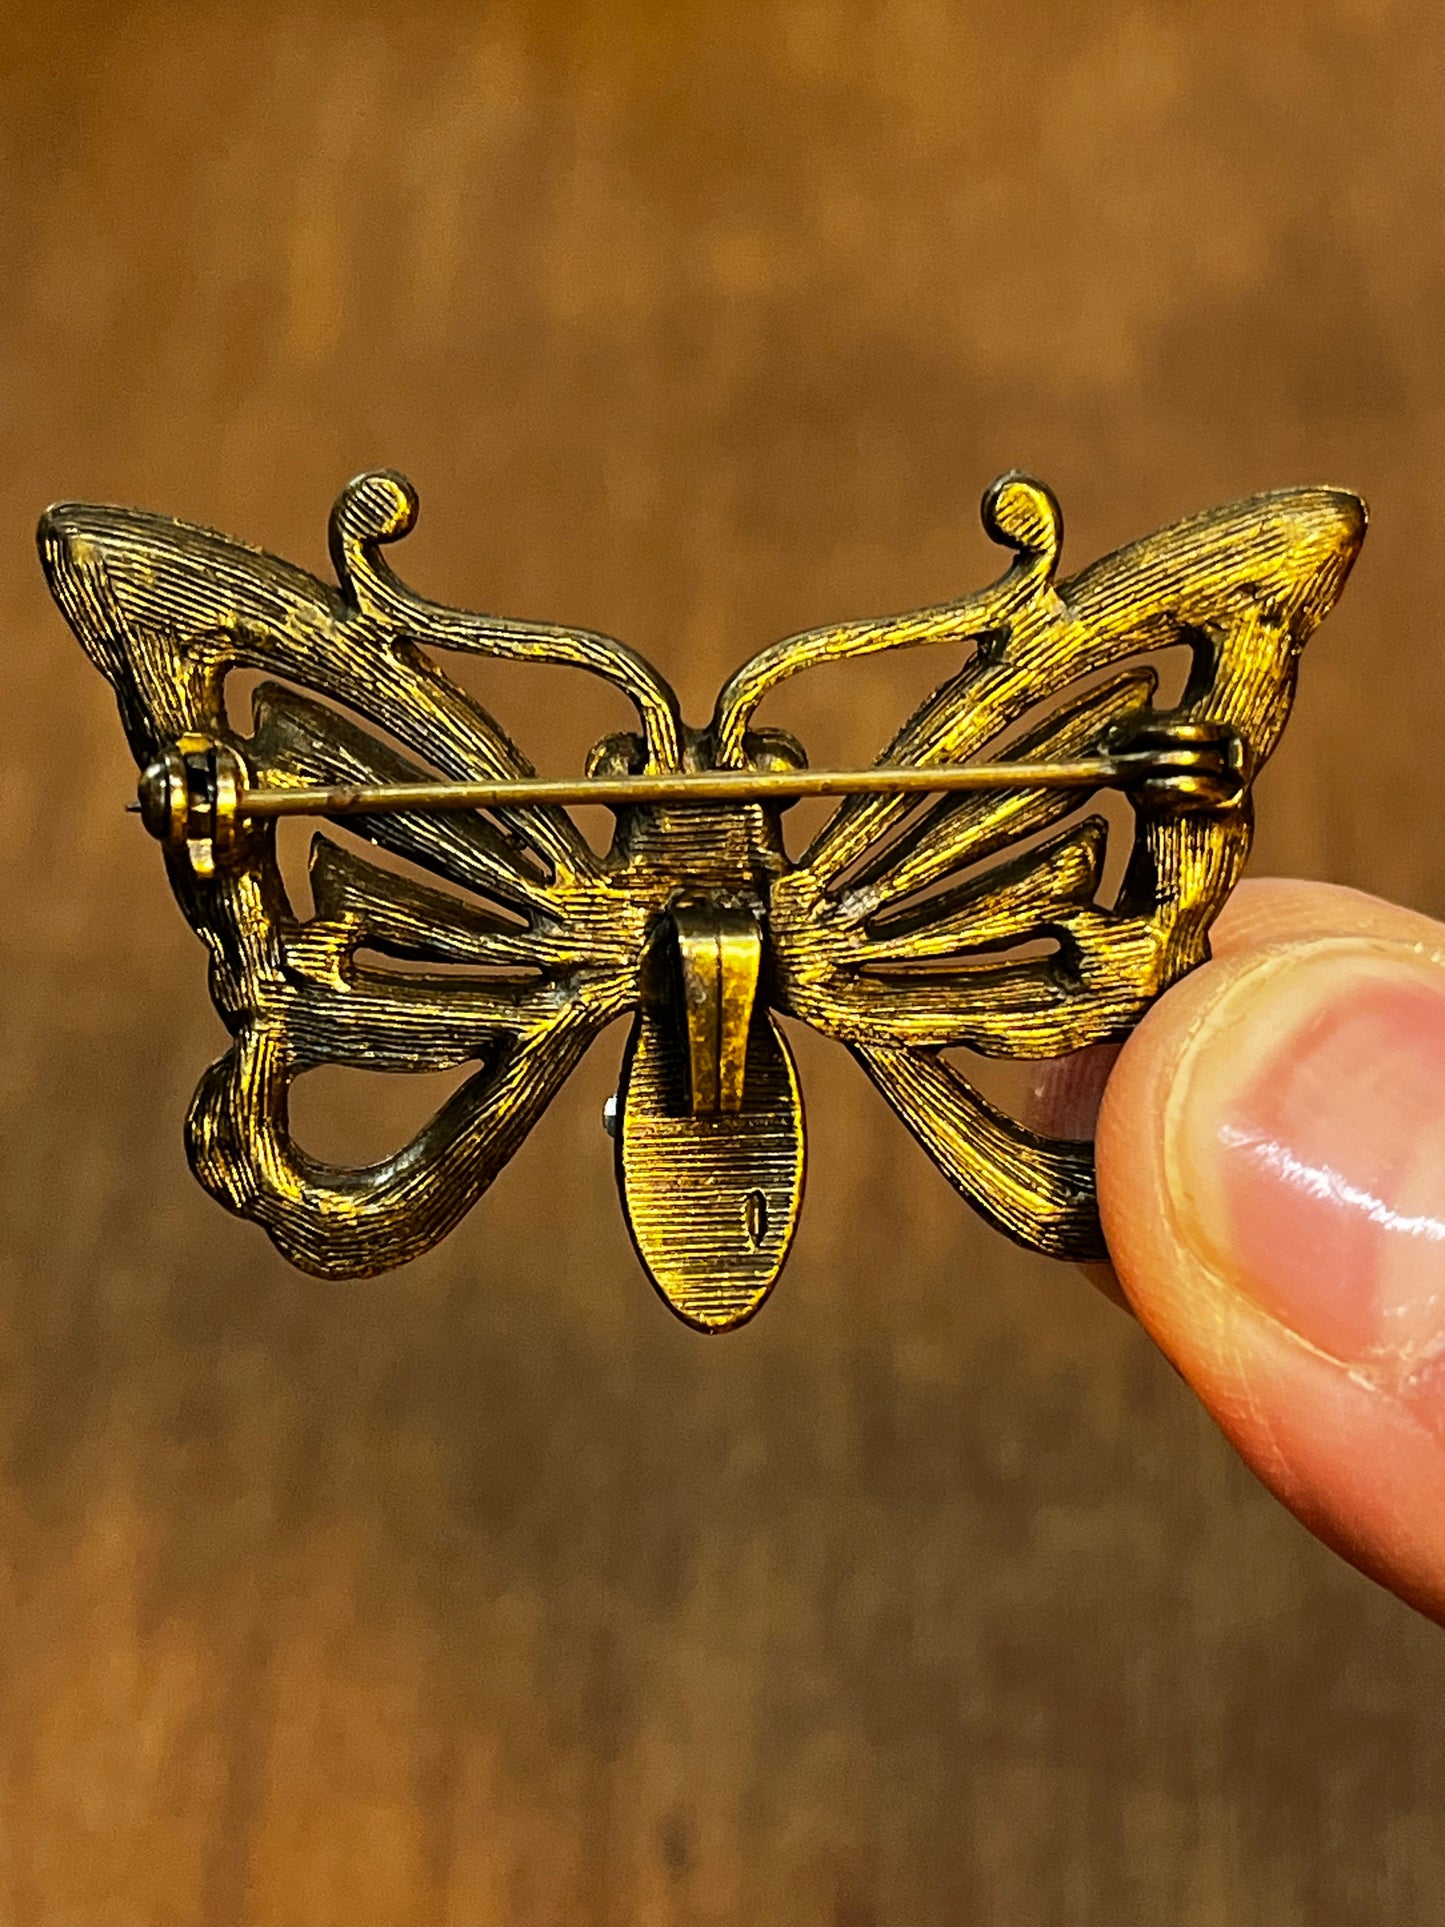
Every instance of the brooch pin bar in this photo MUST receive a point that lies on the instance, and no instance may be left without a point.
(183, 798)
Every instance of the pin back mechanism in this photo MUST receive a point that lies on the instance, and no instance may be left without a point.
(197, 797)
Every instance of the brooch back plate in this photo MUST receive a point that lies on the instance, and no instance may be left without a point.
(950, 903)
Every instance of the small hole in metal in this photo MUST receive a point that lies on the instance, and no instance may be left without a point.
(755, 1216)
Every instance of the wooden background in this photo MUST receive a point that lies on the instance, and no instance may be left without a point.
(485, 1593)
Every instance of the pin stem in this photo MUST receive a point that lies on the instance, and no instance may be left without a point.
(197, 792)
(704, 786)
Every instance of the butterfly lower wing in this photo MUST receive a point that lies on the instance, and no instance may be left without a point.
(879, 938)
(533, 949)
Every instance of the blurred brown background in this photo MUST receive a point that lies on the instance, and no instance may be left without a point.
(486, 1592)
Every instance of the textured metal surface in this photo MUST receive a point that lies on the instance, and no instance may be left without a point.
(902, 930)
(711, 1200)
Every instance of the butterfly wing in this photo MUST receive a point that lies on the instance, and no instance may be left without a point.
(532, 947)
(883, 940)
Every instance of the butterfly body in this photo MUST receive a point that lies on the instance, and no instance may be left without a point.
(709, 1121)
(912, 927)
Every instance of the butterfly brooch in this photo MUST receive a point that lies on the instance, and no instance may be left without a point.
(950, 904)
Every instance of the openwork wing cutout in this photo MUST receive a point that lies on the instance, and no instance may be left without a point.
(166, 611)
(878, 944)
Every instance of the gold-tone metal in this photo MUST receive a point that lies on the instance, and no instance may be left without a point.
(719, 952)
(711, 1201)
(951, 903)
(169, 807)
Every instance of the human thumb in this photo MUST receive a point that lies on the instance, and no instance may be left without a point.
(1271, 1166)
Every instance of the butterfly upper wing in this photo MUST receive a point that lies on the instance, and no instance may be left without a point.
(547, 943)
(879, 941)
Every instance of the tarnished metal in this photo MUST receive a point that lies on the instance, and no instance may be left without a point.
(719, 951)
(177, 796)
(949, 904)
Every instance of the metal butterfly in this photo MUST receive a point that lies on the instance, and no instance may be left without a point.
(932, 912)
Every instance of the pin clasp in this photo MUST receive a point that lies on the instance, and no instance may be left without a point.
(1184, 766)
(191, 801)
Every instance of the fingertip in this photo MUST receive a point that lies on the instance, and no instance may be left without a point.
(1266, 911)
(1271, 1168)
